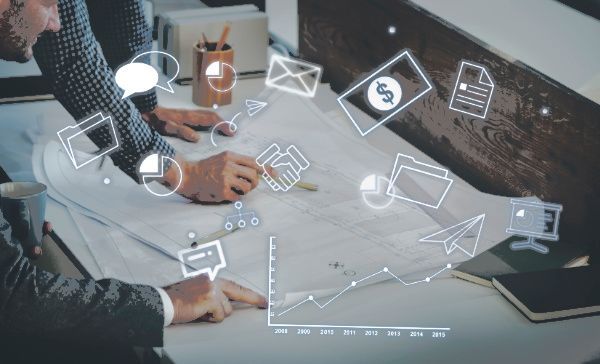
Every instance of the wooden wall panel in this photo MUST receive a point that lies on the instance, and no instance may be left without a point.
(515, 151)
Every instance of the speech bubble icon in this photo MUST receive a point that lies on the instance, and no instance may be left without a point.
(140, 77)
(206, 258)
(136, 77)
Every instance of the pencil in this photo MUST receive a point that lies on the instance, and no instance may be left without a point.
(224, 35)
(216, 235)
(204, 39)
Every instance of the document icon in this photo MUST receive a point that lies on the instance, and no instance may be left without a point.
(388, 90)
(294, 76)
(97, 124)
(473, 90)
(418, 182)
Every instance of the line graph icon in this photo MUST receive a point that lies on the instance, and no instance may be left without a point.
(273, 314)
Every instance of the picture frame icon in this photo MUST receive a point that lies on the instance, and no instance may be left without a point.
(70, 135)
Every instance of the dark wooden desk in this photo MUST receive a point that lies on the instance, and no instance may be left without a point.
(515, 151)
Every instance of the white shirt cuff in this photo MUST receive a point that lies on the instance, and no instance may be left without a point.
(167, 306)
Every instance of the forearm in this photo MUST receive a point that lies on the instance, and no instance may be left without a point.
(84, 84)
(35, 302)
(123, 33)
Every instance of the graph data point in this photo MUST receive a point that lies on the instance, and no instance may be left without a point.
(311, 297)
(449, 265)
(427, 279)
(385, 269)
(353, 283)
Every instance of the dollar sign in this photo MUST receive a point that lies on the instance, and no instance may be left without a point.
(388, 95)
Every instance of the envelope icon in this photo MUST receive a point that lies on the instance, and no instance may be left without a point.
(97, 123)
(418, 182)
(294, 76)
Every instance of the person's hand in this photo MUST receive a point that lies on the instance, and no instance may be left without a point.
(201, 298)
(182, 123)
(222, 177)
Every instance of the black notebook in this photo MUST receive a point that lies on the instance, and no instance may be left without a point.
(553, 294)
(502, 260)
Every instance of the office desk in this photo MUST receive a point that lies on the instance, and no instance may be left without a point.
(484, 326)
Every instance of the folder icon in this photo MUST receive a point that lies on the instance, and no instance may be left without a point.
(97, 123)
(418, 182)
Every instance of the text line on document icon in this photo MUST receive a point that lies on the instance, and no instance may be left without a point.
(473, 90)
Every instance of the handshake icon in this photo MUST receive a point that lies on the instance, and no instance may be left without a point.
(288, 166)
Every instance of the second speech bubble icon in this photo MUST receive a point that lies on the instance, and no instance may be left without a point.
(205, 259)
(138, 77)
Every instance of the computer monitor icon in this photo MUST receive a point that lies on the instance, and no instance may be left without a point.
(534, 220)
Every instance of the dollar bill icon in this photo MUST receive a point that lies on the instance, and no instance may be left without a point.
(388, 90)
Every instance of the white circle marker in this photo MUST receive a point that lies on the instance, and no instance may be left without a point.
(384, 93)
(192, 235)
(392, 29)
(106, 181)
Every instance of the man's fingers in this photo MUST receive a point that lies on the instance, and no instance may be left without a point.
(227, 306)
(249, 174)
(227, 129)
(200, 118)
(244, 160)
(218, 313)
(240, 185)
(187, 133)
(46, 228)
(240, 293)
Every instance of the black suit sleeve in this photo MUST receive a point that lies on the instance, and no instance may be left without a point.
(38, 303)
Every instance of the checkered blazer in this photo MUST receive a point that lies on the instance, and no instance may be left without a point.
(96, 37)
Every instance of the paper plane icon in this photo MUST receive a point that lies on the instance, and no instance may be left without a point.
(254, 106)
(463, 236)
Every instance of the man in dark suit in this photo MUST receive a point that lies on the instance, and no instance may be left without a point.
(43, 304)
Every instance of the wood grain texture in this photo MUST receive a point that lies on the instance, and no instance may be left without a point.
(515, 151)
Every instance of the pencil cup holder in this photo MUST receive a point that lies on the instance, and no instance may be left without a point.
(213, 75)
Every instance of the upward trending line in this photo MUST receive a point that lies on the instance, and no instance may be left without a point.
(354, 283)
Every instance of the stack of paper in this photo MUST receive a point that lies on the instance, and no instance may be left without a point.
(314, 229)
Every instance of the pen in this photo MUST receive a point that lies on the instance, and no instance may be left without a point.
(204, 39)
(224, 35)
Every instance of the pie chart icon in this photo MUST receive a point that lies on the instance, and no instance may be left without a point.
(373, 189)
(152, 167)
(218, 73)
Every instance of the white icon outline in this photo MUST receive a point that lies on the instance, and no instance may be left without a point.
(66, 141)
(404, 53)
(254, 220)
(211, 271)
(254, 106)
(531, 235)
(443, 175)
(485, 71)
(271, 155)
(451, 242)
(220, 75)
(311, 68)
(363, 190)
(168, 87)
(232, 126)
(159, 173)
